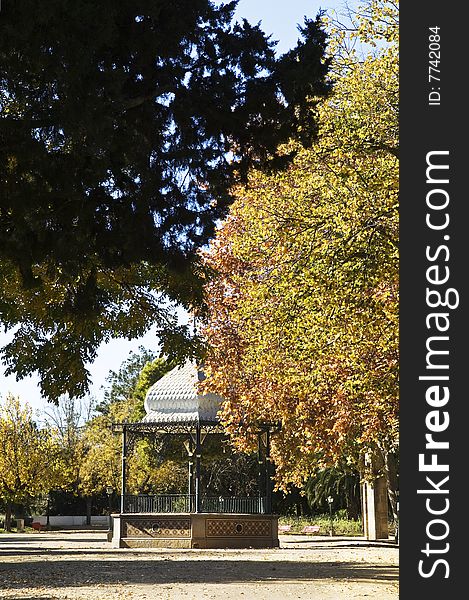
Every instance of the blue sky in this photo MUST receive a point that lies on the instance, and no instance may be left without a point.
(279, 18)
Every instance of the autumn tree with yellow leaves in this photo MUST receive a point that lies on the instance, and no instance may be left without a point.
(30, 462)
(302, 322)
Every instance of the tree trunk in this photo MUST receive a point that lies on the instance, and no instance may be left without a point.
(8, 516)
(88, 510)
(353, 504)
(374, 496)
(390, 468)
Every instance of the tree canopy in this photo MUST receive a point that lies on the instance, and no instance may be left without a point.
(29, 457)
(302, 324)
(123, 126)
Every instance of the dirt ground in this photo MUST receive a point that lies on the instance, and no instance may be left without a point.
(81, 565)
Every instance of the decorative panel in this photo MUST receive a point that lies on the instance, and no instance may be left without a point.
(157, 527)
(237, 528)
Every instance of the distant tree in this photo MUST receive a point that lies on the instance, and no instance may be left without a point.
(151, 372)
(123, 127)
(152, 467)
(101, 447)
(30, 462)
(67, 421)
(121, 384)
(136, 374)
(101, 450)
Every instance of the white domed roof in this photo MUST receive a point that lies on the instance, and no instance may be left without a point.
(174, 398)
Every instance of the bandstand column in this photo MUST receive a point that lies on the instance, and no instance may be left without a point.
(189, 477)
(124, 468)
(198, 451)
(260, 471)
(268, 481)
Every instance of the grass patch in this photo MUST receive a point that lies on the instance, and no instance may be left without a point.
(341, 525)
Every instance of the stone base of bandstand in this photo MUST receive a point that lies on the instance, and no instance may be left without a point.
(194, 530)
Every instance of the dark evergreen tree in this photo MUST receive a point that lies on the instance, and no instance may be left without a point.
(123, 126)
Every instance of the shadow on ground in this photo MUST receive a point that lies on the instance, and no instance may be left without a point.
(69, 572)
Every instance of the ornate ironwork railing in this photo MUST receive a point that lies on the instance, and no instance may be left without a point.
(233, 504)
(185, 503)
(170, 503)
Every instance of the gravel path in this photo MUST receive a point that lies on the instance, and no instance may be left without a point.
(81, 565)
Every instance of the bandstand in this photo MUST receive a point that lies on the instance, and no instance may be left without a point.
(174, 406)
